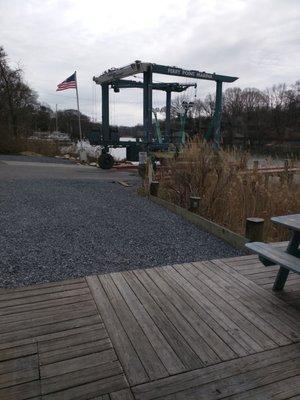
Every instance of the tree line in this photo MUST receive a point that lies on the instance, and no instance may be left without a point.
(21, 113)
(250, 115)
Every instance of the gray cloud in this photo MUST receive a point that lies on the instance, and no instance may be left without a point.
(256, 40)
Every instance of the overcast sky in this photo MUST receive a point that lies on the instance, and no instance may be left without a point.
(256, 40)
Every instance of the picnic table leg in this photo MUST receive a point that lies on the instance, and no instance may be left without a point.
(281, 278)
(293, 246)
(283, 273)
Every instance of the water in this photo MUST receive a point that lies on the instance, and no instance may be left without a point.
(120, 153)
(95, 151)
(269, 161)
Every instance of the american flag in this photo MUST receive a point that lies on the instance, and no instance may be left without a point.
(69, 83)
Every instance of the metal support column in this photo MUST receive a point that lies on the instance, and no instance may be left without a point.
(147, 115)
(214, 132)
(150, 105)
(217, 116)
(145, 104)
(105, 111)
(168, 117)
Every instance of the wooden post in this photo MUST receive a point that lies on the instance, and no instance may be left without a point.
(255, 229)
(289, 175)
(154, 188)
(267, 179)
(194, 203)
(255, 165)
(149, 171)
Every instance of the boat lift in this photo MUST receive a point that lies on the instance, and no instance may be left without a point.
(114, 78)
(166, 87)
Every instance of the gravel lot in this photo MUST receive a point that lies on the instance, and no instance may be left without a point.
(60, 220)
(42, 159)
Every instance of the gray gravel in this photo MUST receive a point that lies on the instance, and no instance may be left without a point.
(40, 159)
(58, 223)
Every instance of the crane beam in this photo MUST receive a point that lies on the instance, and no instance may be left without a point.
(137, 67)
(166, 87)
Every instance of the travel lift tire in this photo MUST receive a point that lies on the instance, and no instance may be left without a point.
(106, 161)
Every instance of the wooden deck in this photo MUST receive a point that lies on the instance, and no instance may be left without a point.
(209, 330)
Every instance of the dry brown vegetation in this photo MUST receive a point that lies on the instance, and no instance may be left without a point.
(229, 193)
(20, 145)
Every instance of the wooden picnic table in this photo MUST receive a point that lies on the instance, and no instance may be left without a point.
(289, 259)
(292, 222)
(288, 221)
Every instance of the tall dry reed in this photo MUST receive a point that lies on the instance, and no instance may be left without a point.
(229, 193)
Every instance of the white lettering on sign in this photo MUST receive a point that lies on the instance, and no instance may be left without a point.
(192, 74)
(188, 73)
(174, 71)
(204, 75)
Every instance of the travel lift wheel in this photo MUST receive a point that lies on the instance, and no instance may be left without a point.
(106, 161)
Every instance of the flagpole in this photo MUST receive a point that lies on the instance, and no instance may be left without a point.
(56, 119)
(79, 122)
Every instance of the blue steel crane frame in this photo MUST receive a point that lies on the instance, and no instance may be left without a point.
(114, 75)
(166, 87)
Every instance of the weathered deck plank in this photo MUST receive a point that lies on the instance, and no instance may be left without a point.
(43, 297)
(237, 384)
(152, 363)
(18, 351)
(21, 294)
(254, 270)
(262, 300)
(247, 335)
(219, 338)
(192, 328)
(132, 365)
(280, 390)
(226, 289)
(59, 350)
(18, 377)
(208, 330)
(124, 394)
(29, 390)
(172, 335)
(194, 383)
(72, 339)
(90, 374)
(89, 390)
(72, 351)
(44, 305)
(55, 316)
(161, 346)
(41, 285)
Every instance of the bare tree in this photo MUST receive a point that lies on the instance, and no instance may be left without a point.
(17, 100)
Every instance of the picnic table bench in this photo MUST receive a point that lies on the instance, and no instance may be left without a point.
(289, 259)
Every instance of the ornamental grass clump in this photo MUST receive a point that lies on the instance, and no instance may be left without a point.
(228, 190)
